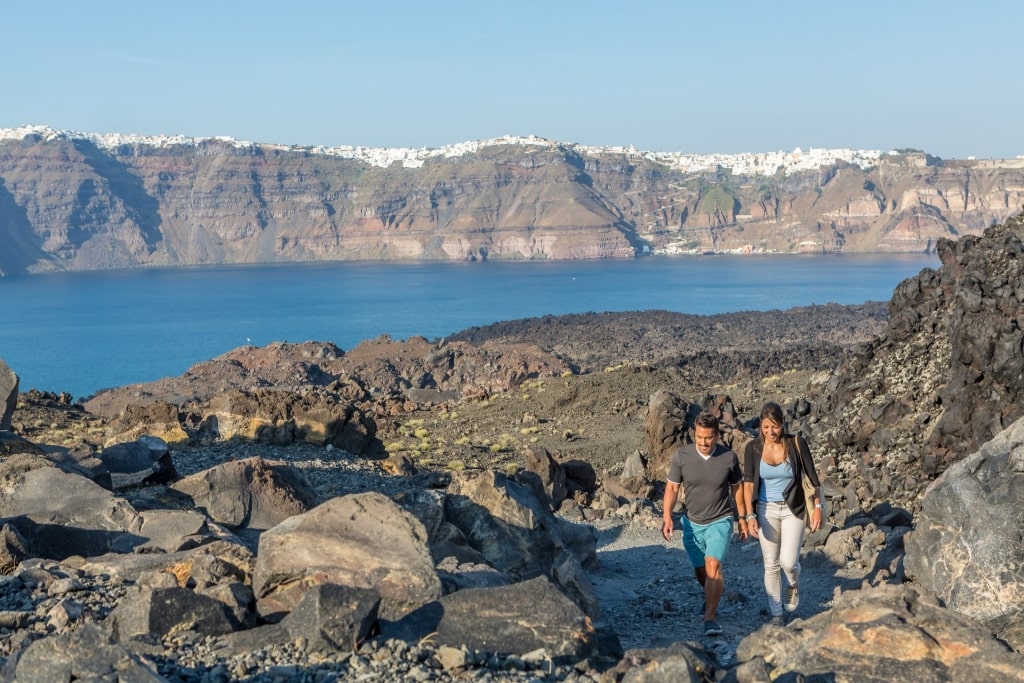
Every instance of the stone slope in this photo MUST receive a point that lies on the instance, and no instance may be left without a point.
(68, 204)
(947, 376)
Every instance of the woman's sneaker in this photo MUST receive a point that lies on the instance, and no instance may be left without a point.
(792, 598)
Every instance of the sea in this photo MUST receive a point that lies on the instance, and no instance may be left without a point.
(83, 332)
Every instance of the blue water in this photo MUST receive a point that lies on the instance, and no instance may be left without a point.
(81, 332)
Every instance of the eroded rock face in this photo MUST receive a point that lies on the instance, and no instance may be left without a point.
(83, 207)
(286, 393)
(967, 543)
(946, 377)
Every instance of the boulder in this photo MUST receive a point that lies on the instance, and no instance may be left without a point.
(506, 522)
(445, 540)
(164, 611)
(281, 417)
(331, 617)
(170, 530)
(238, 601)
(253, 493)
(147, 460)
(552, 476)
(85, 654)
(886, 633)
(218, 562)
(361, 540)
(966, 546)
(8, 395)
(60, 514)
(677, 663)
(513, 619)
(665, 426)
(11, 444)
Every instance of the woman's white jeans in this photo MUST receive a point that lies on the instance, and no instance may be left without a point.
(782, 535)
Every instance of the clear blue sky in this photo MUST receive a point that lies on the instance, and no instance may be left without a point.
(667, 75)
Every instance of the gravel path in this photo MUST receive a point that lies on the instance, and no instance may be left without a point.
(648, 592)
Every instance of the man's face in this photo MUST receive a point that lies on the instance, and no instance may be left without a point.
(704, 438)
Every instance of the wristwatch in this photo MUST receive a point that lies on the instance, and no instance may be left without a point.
(819, 506)
(750, 517)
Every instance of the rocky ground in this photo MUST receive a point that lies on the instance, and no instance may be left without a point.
(645, 585)
(596, 414)
(622, 359)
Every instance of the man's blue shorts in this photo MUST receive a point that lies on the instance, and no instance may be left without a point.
(706, 540)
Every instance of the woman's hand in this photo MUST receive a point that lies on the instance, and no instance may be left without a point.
(752, 529)
(815, 518)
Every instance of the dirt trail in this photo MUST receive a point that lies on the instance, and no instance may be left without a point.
(650, 597)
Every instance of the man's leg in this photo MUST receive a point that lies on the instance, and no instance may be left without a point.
(714, 584)
(716, 539)
(701, 574)
(694, 546)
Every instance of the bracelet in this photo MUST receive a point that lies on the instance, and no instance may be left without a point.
(819, 506)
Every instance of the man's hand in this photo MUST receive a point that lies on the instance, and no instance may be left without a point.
(667, 528)
(743, 529)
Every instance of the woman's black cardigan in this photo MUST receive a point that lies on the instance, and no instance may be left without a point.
(800, 461)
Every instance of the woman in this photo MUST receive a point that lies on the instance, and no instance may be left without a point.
(773, 465)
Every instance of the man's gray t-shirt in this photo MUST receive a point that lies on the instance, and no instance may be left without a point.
(705, 482)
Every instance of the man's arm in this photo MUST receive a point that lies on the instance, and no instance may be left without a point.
(741, 507)
(667, 526)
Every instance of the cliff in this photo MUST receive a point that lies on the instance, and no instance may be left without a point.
(69, 203)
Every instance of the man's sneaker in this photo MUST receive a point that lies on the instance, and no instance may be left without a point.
(792, 598)
(712, 628)
(777, 620)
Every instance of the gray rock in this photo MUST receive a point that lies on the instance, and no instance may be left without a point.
(84, 654)
(512, 528)
(8, 395)
(170, 530)
(11, 444)
(222, 561)
(362, 540)
(60, 514)
(161, 611)
(254, 493)
(966, 546)
(666, 428)
(513, 619)
(237, 598)
(679, 662)
(552, 476)
(331, 617)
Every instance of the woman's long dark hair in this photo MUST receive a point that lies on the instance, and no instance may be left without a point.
(773, 411)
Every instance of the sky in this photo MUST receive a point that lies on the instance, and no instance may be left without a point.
(702, 77)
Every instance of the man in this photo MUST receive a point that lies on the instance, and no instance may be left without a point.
(709, 473)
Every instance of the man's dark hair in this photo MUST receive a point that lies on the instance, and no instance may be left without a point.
(706, 420)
